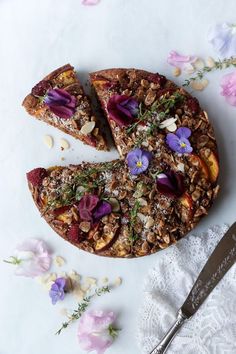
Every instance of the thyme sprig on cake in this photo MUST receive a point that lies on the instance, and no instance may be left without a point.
(159, 110)
(218, 65)
(82, 307)
(133, 216)
(80, 184)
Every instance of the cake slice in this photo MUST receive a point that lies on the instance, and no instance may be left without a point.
(60, 101)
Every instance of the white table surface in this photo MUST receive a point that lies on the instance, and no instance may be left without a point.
(35, 38)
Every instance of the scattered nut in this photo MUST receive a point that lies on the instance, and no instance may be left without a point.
(199, 85)
(199, 64)
(176, 71)
(210, 62)
(64, 144)
(48, 140)
(87, 128)
(118, 281)
(59, 261)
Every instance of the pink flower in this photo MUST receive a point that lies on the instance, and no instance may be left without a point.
(181, 61)
(31, 257)
(228, 84)
(90, 2)
(95, 331)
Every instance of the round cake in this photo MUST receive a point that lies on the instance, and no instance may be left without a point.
(164, 182)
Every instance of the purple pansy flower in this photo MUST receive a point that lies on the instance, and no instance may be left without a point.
(170, 184)
(60, 102)
(122, 109)
(57, 291)
(223, 39)
(103, 208)
(179, 142)
(138, 161)
(91, 209)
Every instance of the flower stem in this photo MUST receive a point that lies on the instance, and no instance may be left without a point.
(14, 261)
(219, 65)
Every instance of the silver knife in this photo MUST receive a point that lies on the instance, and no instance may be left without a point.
(221, 260)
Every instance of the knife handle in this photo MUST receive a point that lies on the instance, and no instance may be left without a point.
(166, 340)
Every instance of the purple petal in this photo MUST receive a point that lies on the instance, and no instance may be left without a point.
(103, 208)
(170, 184)
(122, 109)
(183, 132)
(60, 102)
(62, 112)
(172, 141)
(61, 282)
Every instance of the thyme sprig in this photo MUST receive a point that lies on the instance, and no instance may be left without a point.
(219, 65)
(82, 307)
(68, 193)
(133, 215)
(158, 111)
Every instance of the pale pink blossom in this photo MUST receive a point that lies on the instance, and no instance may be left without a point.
(184, 62)
(95, 331)
(32, 258)
(90, 2)
(228, 84)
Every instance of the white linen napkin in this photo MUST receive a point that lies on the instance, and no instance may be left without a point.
(212, 330)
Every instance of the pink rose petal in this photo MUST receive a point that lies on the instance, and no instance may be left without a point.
(228, 85)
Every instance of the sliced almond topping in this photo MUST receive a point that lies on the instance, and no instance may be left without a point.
(64, 144)
(142, 202)
(114, 204)
(206, 115)
(59, 261)
(167, 122)
(172, 128)
(180, 167)
(176, 72)
(150, 222)
(48, 141)
(142, 217)
(87, 128)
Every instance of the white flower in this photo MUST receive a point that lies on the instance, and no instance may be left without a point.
(223, 39)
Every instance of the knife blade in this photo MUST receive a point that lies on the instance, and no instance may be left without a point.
(220, 261)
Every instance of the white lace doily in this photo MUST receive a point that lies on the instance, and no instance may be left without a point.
(212, 330)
